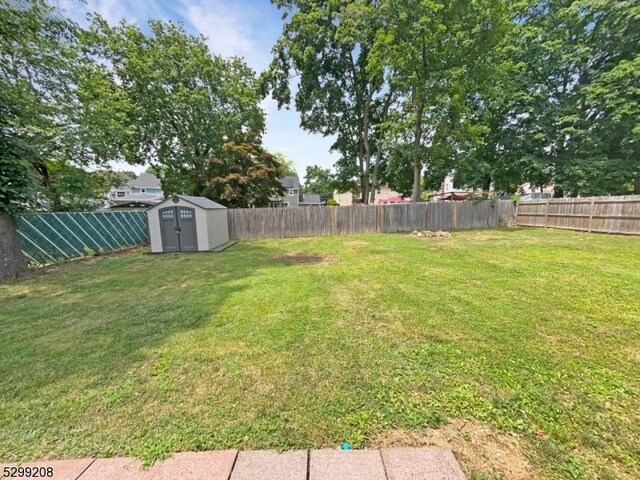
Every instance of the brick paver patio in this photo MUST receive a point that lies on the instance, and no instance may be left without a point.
(428, 463)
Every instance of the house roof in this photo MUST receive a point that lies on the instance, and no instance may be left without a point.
(144, 180)
(134, 204)
(290, 181)
(141, 197)
(311, 198)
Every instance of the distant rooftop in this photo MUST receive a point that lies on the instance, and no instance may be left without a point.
(310, 198)
(290, 181)
(144, 180)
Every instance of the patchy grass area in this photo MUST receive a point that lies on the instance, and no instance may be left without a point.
(312, 342)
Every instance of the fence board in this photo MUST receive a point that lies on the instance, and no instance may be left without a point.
(593, 214)
(250, 223)
(54, 237)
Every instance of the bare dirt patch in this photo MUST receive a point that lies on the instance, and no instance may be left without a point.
(479, 448)
(304, 259)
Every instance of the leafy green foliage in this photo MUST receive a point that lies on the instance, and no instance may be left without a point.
(568, 112)
(173, 103)
(440, 55)
(326, 45)
(17, 175)
(39, 63)
(287, 164)
(319, 180)
(71, 188)
(243, 175)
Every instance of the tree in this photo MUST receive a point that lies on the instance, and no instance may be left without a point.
(243, 175)
(17, 185)
(327, 44)
(179, 105)
(568, 114)
(72, 188)
(287, 164)
(39, 63)
(439, 57)
(319, 180)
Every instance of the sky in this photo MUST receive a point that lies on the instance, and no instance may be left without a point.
(244, 28)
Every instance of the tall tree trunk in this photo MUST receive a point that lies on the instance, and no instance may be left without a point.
(12, 263)
(379, 139)
(366, 146)
(417, 160)
(486, 184)
(374, 178)
(636, 185)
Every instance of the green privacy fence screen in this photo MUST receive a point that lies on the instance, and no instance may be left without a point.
(55, 237)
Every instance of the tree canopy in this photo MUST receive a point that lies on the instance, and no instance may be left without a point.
(319, 180)
(499, 93)
(177, 104)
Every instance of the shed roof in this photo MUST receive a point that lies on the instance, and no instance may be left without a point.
(202, 202)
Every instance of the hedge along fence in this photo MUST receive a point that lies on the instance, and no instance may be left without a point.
(246, 223)
(54, 237)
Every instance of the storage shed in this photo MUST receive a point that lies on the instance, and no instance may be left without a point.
(187, 224)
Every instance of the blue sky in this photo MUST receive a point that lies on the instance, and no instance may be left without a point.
(246, 28)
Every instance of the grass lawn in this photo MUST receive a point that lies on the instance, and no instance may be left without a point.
(531, 332)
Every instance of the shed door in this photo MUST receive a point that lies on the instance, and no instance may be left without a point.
(187, 229)
(178, 229)
(168, 229)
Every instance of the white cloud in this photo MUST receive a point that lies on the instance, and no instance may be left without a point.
(228, 29)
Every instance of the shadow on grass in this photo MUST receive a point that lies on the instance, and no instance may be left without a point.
(93, 323)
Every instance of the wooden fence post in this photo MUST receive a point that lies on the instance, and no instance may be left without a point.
(332, 220)
(546, 215)
(380, 210)
(455, 214)
(593, 203)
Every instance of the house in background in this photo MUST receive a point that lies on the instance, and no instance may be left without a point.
(449, 192)
(384, 195)
(141, 192)
(292, 196)
(529, 192)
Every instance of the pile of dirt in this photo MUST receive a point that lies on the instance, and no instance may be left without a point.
(480, 449)
(429, 234)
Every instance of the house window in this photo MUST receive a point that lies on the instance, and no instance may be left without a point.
(291, 192)
(119, 194)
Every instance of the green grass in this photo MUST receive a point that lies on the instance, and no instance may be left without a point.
(144, 355)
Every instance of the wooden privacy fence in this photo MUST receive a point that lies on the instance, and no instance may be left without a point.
(248, 223)
(593, 214)
(53, 237)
